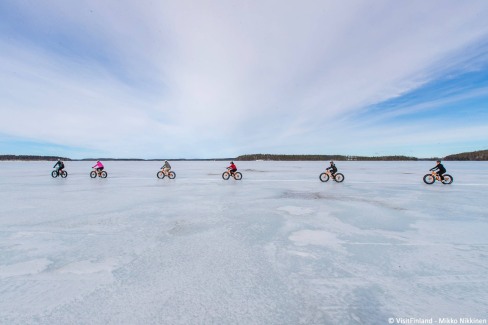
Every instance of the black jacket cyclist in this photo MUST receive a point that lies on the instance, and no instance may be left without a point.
(439, 169)
(332, 168)
(59, 165)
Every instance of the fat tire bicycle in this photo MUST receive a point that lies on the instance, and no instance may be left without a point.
(227, 174)
(433, 176)
(62, 173)
(161, 174)
(99, 173)
(338, 177)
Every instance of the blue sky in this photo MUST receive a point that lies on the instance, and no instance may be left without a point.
(202, 79)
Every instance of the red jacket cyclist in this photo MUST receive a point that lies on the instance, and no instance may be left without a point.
(232, 168)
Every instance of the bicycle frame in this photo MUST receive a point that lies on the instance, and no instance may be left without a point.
(328, 172)
(436, 176)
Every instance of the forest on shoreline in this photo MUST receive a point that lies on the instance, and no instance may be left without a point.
(481, 155)
(320, 157)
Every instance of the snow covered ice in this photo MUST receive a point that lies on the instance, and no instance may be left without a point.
(278, 247)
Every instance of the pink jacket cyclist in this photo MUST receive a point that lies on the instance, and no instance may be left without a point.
(98, 166)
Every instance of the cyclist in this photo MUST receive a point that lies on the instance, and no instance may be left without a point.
(166, 167)
(59, 166)
(232, 168)
(439, 169)
(332, 169)
(98, 166)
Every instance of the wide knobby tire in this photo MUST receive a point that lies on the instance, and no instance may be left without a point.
(171, 175)
(54, 174)
(339, 178)
(160, 175)
(447, 179)
(103, 174)
(429, 179)
(93, 174)
(324, 177)
(226, 175)
(238, 176)
(64, 174)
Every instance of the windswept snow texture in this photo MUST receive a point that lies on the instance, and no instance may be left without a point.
(278, 247)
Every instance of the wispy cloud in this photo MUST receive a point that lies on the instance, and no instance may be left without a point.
(212, 78)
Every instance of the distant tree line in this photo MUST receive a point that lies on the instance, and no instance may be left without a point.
(30, 157)
(319, 157)
(52, 158)
(252, 157)
(112, 159)
(474, 155)
(388, 158)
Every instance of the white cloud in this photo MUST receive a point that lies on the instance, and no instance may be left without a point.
(217, 78)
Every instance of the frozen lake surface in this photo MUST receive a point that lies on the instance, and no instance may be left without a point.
(278, 247)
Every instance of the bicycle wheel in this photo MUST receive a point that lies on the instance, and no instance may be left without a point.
(160, 175)
(339, 178)
(429, 179)
(238, 176)
(64, 174)
(226, 175)
(103, 174)
(54, 174)
(447, 179)
(93, 174)
(324, 177)
(171, 175)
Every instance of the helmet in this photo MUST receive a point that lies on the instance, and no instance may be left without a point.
(165, 161)
(231, 162)
(331, 162)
